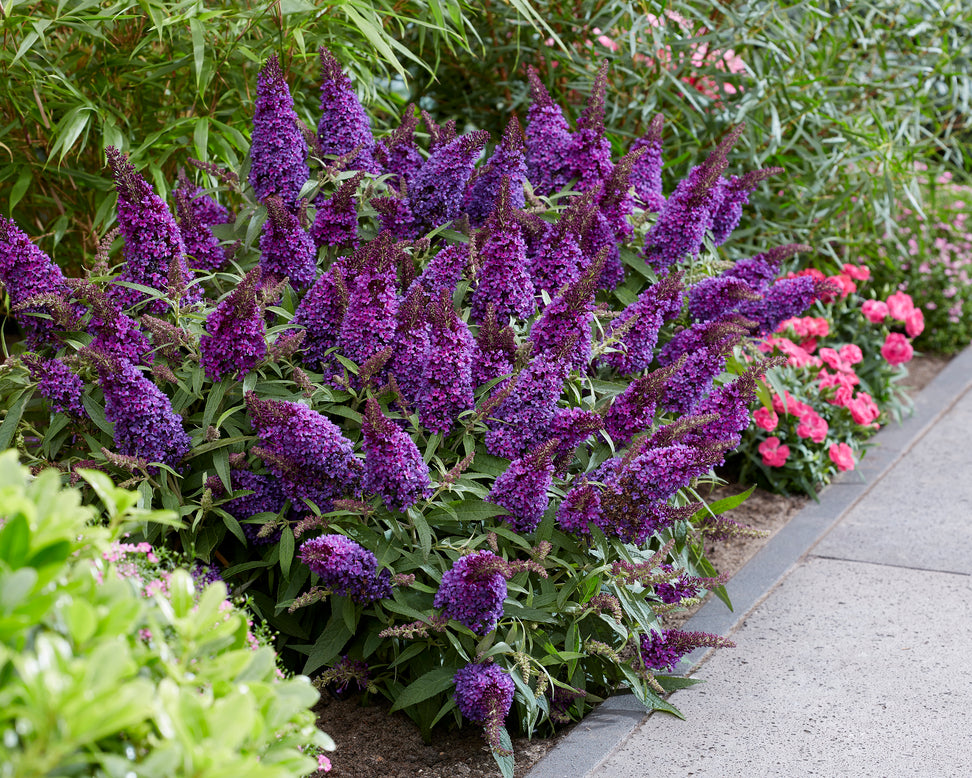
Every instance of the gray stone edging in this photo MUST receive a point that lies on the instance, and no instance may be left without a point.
(592, 740)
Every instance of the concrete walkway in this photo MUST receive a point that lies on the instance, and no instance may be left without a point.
(853, 629)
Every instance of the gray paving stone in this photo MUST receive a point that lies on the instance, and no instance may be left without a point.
(849, 669)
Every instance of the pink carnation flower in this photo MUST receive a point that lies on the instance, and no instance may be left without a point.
(842, 455)
(863, 409)
(857, 272)
(813, 426)
(774, 454)
(851, 353)
(915, 323)
(897, 349)
(766, 418)
(900, 305)
(875, 311)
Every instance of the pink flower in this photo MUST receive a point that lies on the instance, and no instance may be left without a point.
(842, 455)
(844, 283)
(813, 426)
(875, 311)
(774, 454)
(897, 349)
(842, 396)
(915, 323)
(900, 305)
(766, 419)
(857, 272)
(863, 409)
(817, 327)
(851, 353)
(323, 763)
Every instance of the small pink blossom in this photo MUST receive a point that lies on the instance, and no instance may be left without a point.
(863, 409)
(851, 353)
(774, 454)
(897, 349)
(766, 418)
(813, 426)
(915, 323)
(875, 311)
(857, 272)
(842, 455)
(844, 283)
(323, 763)
(900, 305)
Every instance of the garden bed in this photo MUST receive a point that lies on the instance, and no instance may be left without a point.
(371, 743)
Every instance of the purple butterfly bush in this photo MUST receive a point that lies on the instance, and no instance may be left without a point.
(522, 488)
(286, 250)
(153, 242)
(57, 383)
(344, 126)
(445, 269)
(549, 143)
(715, 296)
(446, 389)
(590, 154)
(663, 650)
(267, 497)
(495, 350)
(115, 334)
(786, 298)
(278, 153)
(579, 508)
(397, 153)
(472, 591)
(437, 190)
(393, 466)
(145, 425)
(336, 218)
(412, 337)
(507, 160)
(484, 695)
(197, 213)
(305, 450)
(736, 192)
(646, 176)
(558, 259)
(320, 313)
(347, 568)
(633, 411)
(369, 321)
(235, 339)
(502, 280)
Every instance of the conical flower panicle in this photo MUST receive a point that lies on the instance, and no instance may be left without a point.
(286, 250)
(321, 312)
(472, 591)
(336, 219)
(646, 175)
(784, 299)
(436, 192)
(445, 269)
(639, 323)
(730, 404)
(507, 160)
(57, 383)
(397, 153)
(146, 427)
(559, 259)
(705, 347)
(599, 237)
(580, 508)
(267, 497)
(502, 279)
(197, 212)
(687, 214)
(347, 568)
(370, 318)
(395, 216)
(344, 125)
(633, 411)
(447, 388)
(590, 158)
(522, 488)
(761, 270)
(495, 351)
(26, 273)
(152, 238)
(571, 427)
(656, 474)
(393, 466)
(278, 153)
(617, 202)
(235, 339)
(522, 419)
(484, 695)
(714, 297)
(412, 338)
(736, 191)
(305, 450)
(662, 651)
(115, 334)
(549, 143)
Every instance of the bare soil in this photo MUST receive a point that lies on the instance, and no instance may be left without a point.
(371, 743)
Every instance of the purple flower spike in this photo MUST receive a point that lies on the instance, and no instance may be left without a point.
(760, 271)
(153, 241)
(549, 143)
(305, 450)
(57, 383)
(654, 475)
(267, 497)
(559, 259)
(235, 340)
(507, 160)
(278, 153)
(714, 297)
(735, 195)
(786, 298)
(662, 651)
(393, 466)
(646, 176)
(437, 189)
(346, 568)
(445, 269)
(321, 313)
(336, 220)
(687, 214)
(115, 334)
(146, 427)
(633, 410)
(26, 273)
(472, 591)
(344, 125)
(197, 212)
(730, 403)
(397, 153)
(522, 489)
(522, 419)
(580, 507)
(447, 388)
(484, 695)
(495, 350)
(412, 333)
(503, 280)
(286, 250)
(590, 157)
(370, 319)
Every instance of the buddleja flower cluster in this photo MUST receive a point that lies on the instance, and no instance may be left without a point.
(405, 398)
